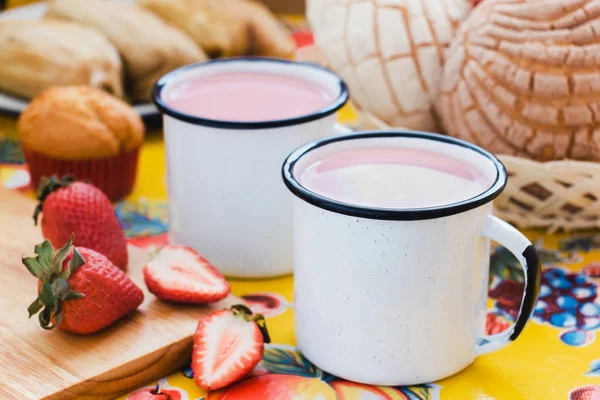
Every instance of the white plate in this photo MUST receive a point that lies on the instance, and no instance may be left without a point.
(12, 105)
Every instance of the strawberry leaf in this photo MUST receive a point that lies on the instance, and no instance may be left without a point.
(259, 319)
(57, 308)
(34, 267)
(262, 325)
(240, 309)
(63, 252)
(45, 251)
(57, 320)
(45, 318)
(35, 307)
(59, 287)
(44, 182)
(54, 288)
(75, 262)
(36, 213)
(65, 274)
(46, 187)
(46, 295)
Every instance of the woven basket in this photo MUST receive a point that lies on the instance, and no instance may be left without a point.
(556, 195)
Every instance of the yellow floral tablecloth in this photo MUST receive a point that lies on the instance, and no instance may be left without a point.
(557, 357)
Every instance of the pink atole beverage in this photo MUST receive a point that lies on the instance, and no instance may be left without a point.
(395, 226)
(248, 96)
(393, 177)
(229, 124)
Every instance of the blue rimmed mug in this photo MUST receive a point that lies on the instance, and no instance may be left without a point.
(223, 177)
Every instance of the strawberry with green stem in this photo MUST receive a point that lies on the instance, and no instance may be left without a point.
(69, 206)
(80, 290)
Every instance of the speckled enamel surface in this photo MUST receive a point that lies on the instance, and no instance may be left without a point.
(389, 52)
(358, 282)
(522, 78)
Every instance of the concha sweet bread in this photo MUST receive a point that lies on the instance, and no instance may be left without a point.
(523, 78)
(149, 46)
(389, 52)
(226, 28)
(35, 55)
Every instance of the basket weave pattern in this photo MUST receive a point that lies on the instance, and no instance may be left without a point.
(555, 195)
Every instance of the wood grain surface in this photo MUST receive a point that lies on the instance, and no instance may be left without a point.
(37, 364)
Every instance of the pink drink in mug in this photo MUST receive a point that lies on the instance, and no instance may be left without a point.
(248, 96)
(392, 238)
(393, 177)
(228, 126)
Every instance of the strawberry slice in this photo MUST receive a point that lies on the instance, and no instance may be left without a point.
(180, 274)
(227, 345)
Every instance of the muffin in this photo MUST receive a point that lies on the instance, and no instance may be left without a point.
(84, 132)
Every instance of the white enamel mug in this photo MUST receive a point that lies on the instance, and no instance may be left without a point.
(225, 195)
(398, 296)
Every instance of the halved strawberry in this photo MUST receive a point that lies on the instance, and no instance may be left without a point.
(227, 345)
(180, 274)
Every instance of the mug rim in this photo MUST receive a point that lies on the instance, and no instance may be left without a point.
(169, 77)
(392, 214)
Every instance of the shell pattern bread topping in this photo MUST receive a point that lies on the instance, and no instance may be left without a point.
(390, 52)
(79, 123)
(35, 55)
(523, 78)
(227, 28)
(149, 46)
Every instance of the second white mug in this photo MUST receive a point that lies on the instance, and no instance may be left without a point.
(224, 189)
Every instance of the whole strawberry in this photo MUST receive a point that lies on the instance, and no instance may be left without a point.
(83, 209)
(80, 290)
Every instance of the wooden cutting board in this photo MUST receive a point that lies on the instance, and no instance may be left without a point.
(37, 364)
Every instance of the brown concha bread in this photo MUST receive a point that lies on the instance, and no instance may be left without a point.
(389, 52)
(522, 78)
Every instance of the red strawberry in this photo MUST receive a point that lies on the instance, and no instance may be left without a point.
(80, 290)
(80, 208)
(227, 345)
(180, 274)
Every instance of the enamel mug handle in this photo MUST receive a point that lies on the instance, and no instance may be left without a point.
(523, 250)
